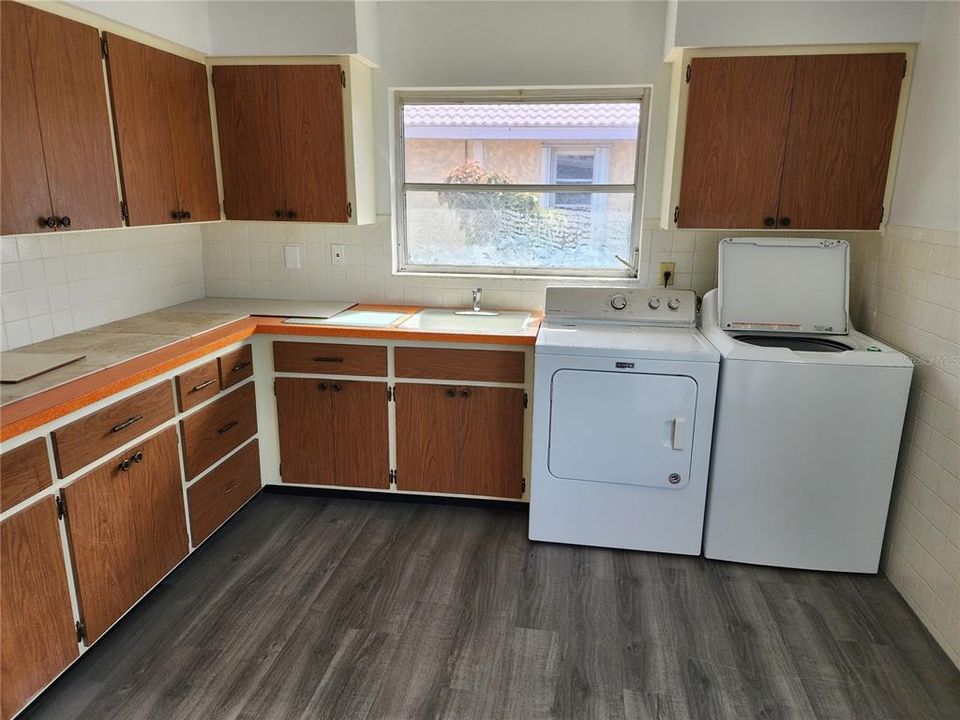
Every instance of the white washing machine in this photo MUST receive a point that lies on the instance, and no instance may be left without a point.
(809, 411)
(624, 395)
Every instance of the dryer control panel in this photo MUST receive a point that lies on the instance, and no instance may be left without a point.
(665, 307)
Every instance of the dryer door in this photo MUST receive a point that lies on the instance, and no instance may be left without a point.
(627, 428)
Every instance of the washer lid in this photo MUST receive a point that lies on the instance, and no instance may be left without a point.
(787, 285)
(628, 342)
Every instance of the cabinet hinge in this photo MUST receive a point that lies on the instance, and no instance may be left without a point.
(274, 387)
(343, 78)
(526, 401)
(689, 72)
(676, 214)
(61, 508)
(81, 631)
(124, 211)
(281, 470)
(392, 476)
(904, 68)
(104, 50)
(349, 210)
(523, 485)
(881, 215)
(389, 393)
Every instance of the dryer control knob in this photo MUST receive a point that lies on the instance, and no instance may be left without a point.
(653, 303)
(674, 303)
(618, 302)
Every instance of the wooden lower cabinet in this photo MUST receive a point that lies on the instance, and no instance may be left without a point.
(333, 432)
(127, 529)
(464, 440)
(221, 492)
(37, 635)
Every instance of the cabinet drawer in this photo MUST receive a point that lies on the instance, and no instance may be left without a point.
(328, 359)
(25, 470)
(212, 432)
(102, 432)
(452, 364)
(196, 385)
(235, 366)
(221, 493)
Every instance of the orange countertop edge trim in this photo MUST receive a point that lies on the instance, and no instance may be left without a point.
(31, 412)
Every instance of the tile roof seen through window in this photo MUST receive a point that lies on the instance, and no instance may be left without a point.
(526, 114)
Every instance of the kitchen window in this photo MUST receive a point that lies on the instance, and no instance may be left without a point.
(520, 183)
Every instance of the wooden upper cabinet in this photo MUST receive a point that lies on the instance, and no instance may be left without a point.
(25, 200)
(57, 157)
(161, 112)
(311, 128)
(737, 115)
(789, 141)
(249, 129)
(282, 144)
(839, 142)
(37, 634)
(71, 103)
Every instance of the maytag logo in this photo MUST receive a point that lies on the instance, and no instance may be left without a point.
(625, 365)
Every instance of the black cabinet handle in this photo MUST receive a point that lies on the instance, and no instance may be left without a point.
(229, 426)
(65, 221)
(50, 222)
(451, 393)
(769, 221)
(239, 366)
(784, 222)
(337, 387)
(328, 359)
(464, 393)
(278, 214)
(201, 386)
(126, 423)
(322, 386)
(291, 214)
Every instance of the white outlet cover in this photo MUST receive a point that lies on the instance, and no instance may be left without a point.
(291, 257)
(336, 255)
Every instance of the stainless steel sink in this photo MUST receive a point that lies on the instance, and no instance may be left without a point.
(444, 320)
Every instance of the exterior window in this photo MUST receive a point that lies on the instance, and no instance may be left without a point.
(531, 186)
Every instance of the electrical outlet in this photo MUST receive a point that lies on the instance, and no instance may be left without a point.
(666, 279)
(336, 255)
(291, 257)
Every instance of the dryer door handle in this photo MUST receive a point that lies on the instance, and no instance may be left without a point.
(679, 433)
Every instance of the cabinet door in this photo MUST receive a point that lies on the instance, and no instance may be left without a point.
(74, 124)
(839, 141)
(427, 437)
(25, 200)
(37, 636)
(305, 424)
(159, 513)
(311, 128)
(249, 129)
(490, 447)
(360, 434)
(138, 90)
(104, 545)
(188, 103)
(737, 115)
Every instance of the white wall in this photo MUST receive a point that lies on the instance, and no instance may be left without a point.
(927, 189)
(186, 23)
(704, 23)
(462, 44)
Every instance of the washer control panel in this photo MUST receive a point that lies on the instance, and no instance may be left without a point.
(628, 305)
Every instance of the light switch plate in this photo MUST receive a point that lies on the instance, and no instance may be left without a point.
(291, 257)
(336, 255)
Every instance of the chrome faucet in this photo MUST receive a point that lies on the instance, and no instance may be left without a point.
(476, 299)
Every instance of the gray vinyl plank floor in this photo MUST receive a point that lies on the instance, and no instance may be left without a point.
(306, 607)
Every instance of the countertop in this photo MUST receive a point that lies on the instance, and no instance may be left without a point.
(126, 352)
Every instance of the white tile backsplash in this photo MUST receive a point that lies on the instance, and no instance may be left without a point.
(59, 283)
(911, 299)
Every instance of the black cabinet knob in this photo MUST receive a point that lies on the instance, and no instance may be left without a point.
(278, 214)
(177, 214)
(138, 457)
(784, 222)
(322, 387)
(337, 387)
(291, 214)
(451, 393)
(65, 221)
(124, 465)
(50, 222)
(465, 393)
(185, 215)
(769, 222)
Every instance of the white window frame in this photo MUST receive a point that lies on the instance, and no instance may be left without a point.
(402, 97)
